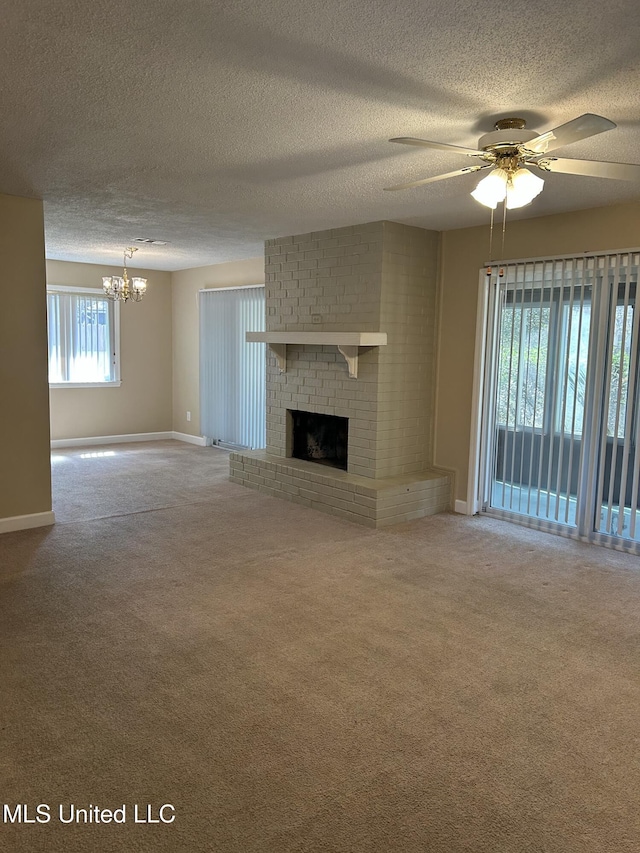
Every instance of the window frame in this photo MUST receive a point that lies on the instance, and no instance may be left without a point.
(114, 316)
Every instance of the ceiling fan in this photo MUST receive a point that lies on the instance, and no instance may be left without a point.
(510, 148)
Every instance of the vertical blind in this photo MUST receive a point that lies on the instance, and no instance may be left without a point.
(81, 335)
(232, 371)
(618, 462)
(560, 415)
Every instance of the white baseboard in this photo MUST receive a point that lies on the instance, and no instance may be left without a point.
(125, 439)
(110, 439)
(200, 440)
(461, 507)
(26, 522)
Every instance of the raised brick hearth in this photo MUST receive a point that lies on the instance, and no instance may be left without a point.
(377, 277)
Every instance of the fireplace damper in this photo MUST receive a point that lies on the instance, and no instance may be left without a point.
(320, 438)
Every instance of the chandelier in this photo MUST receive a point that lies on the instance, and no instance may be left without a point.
(120, 288)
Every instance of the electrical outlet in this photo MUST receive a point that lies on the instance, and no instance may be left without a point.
(188, 416)
(316, 318)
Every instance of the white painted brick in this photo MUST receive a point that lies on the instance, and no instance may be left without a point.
(371, 284)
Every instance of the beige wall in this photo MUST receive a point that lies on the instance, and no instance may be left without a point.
(142, 403)
(185, 285)
(464, 252)
(25, 473)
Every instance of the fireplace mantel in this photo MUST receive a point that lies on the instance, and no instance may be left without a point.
(348, 344)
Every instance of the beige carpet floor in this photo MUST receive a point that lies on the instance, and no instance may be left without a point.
(291, 682)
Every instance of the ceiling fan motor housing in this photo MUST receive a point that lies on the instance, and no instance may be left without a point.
(499, 139)
(509, 133)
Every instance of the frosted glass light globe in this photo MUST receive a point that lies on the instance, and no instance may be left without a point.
(492, 189)
(522, 187)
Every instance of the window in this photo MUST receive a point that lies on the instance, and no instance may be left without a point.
(83, 328)
(621, 353)
(524, 338)
(572, 363)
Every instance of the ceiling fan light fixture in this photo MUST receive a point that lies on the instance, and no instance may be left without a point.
(522, 187)
(492, 189)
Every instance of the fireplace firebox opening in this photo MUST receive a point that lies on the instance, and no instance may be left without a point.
(319, 438)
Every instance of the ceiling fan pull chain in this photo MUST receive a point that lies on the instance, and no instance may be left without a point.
(504, 227)
(491, 236)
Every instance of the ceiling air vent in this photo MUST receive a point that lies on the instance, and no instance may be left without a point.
(149, 241)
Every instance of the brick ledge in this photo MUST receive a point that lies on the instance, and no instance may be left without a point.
(372, 502)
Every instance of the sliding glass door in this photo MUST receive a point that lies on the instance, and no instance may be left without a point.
(232, 371)
(560, 421)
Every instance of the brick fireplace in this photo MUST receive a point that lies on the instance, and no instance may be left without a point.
(326, 290)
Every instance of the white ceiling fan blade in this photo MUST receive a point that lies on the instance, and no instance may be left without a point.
(578, 128)
(440, 146)
(591, 168)
(464, 171)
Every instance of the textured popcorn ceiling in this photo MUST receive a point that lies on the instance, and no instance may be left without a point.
(216, 125)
